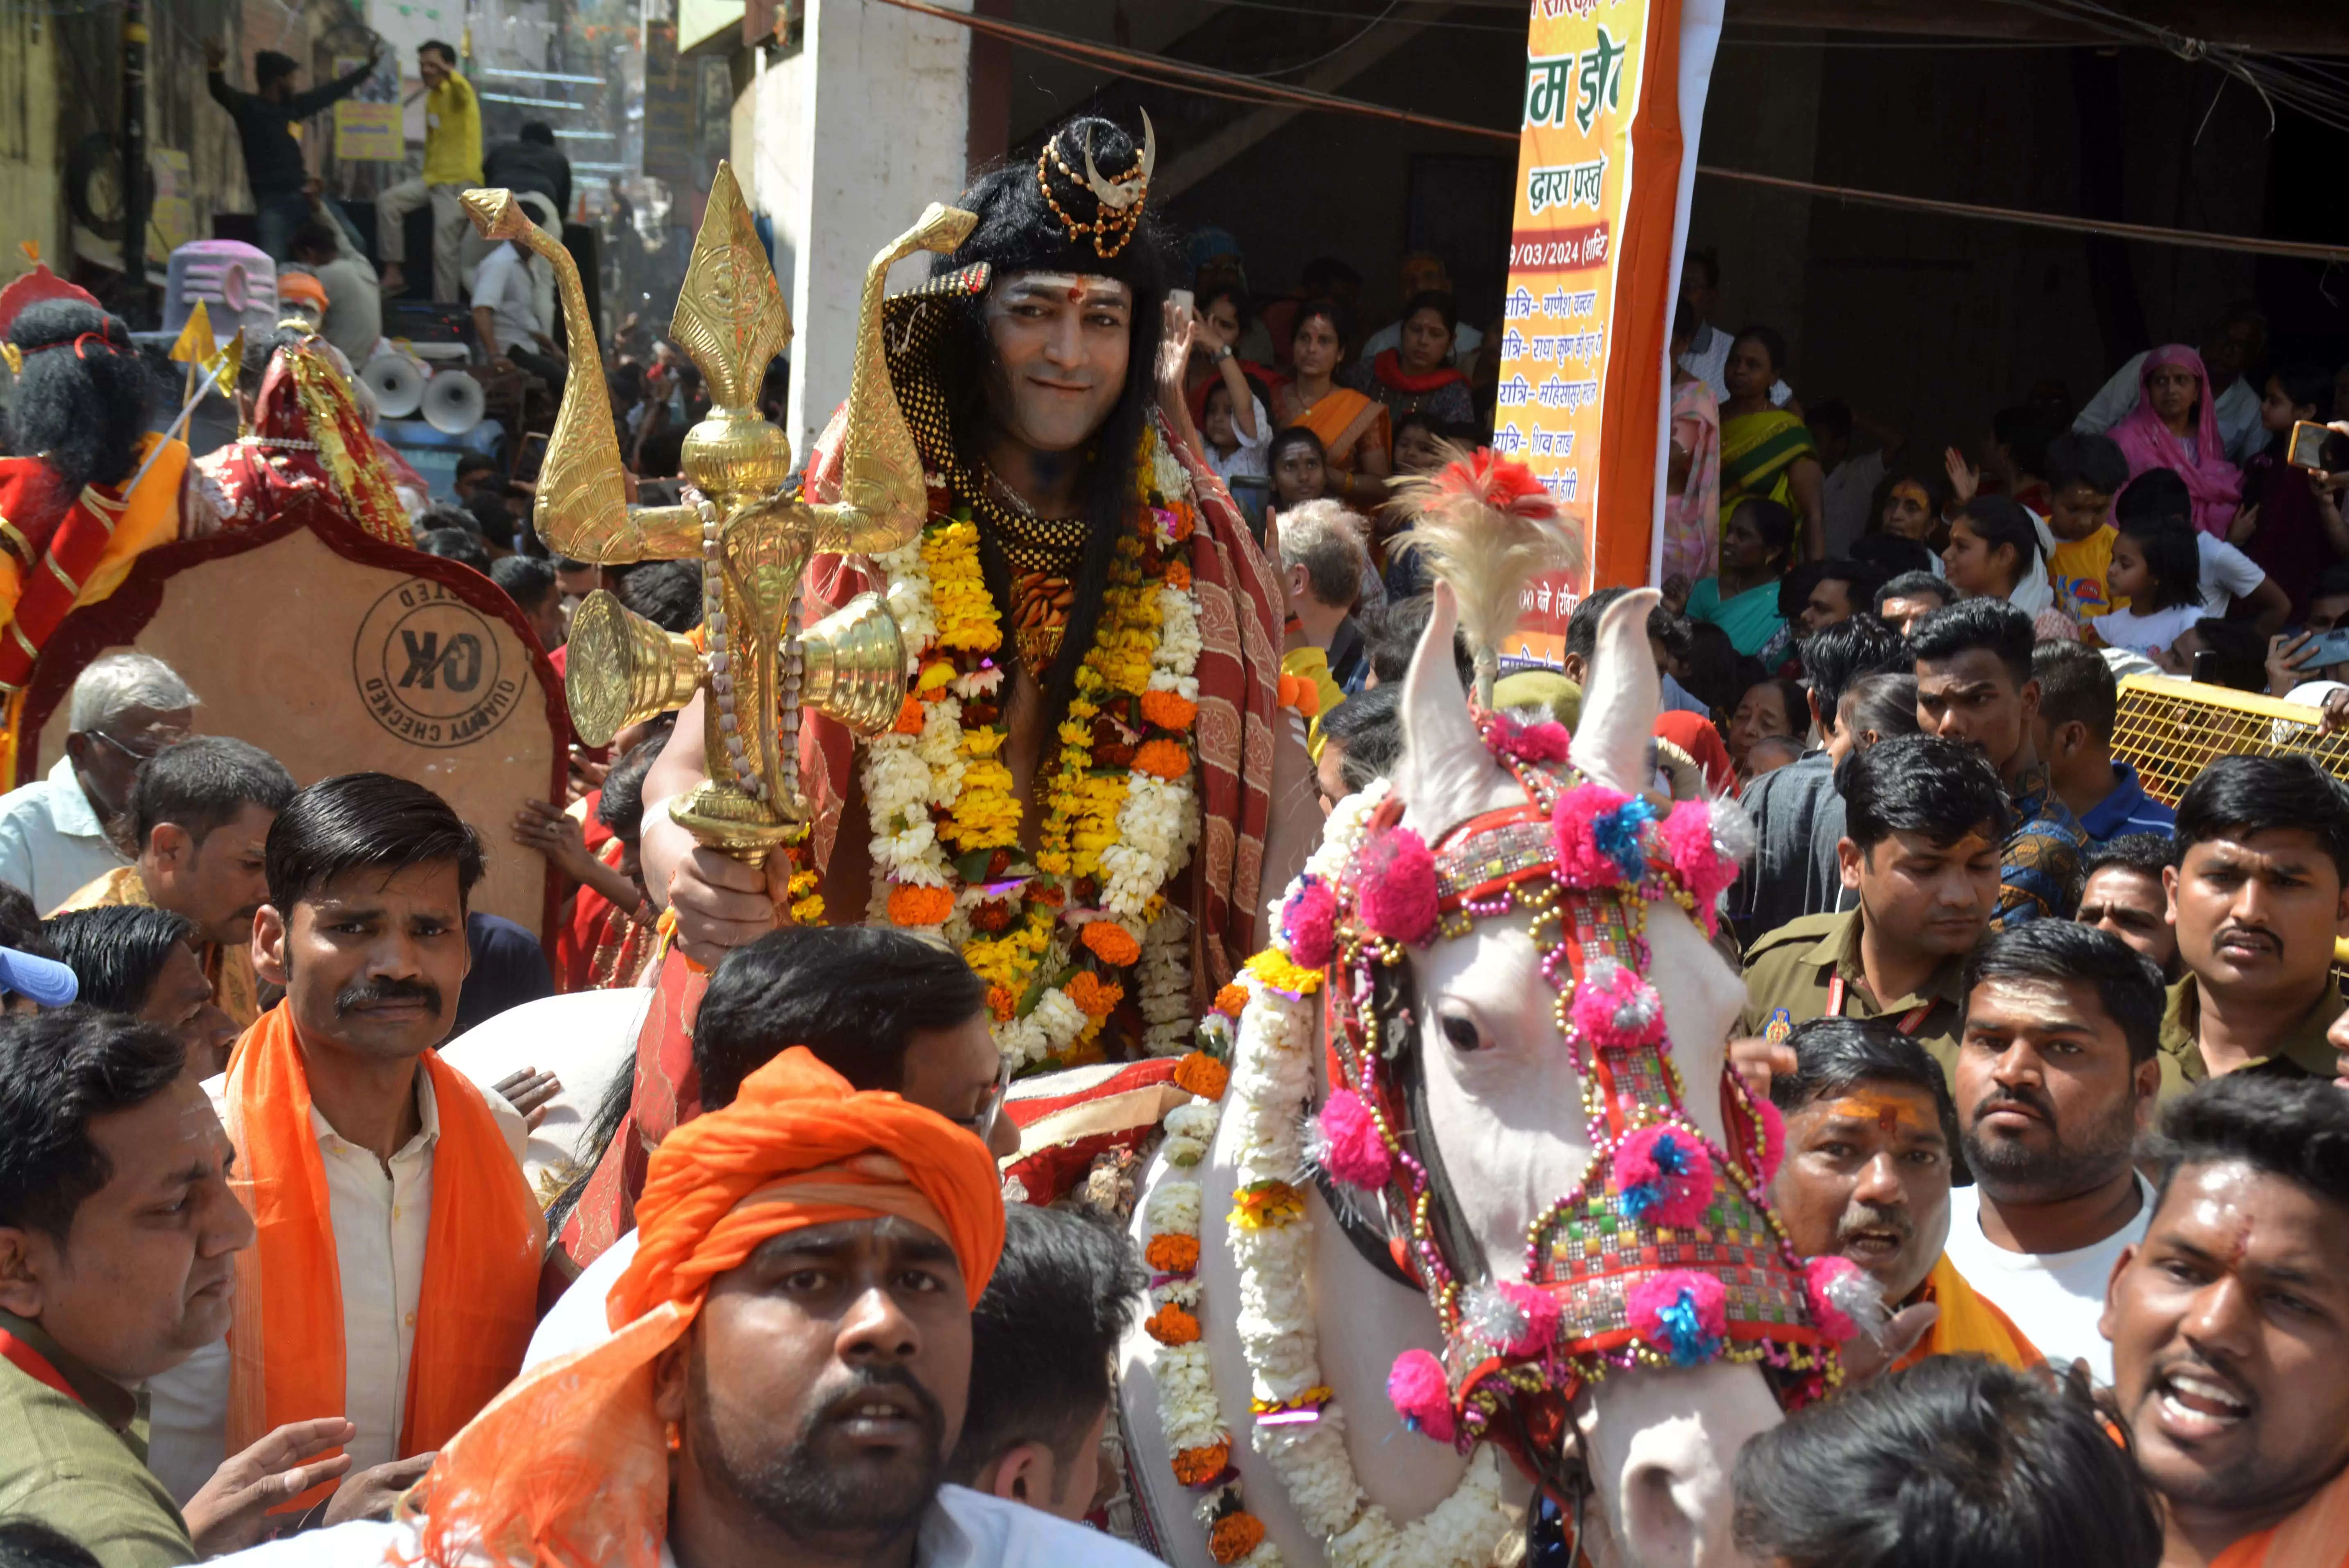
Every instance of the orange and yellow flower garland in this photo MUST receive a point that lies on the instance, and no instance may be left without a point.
(1055, 941)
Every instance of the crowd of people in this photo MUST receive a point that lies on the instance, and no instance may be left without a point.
(299, 1260)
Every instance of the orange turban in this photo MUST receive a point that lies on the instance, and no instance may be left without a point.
(570, 1465)
(301, 286)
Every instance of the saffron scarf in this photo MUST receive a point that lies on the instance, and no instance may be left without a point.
(1969, 1326)
(474, 1317)
(1757, 451)
(2315, 1535)
(2214, 482)
(1344, 419)
(570, 1465)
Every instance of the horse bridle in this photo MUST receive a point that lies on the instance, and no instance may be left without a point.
(1666, 1252)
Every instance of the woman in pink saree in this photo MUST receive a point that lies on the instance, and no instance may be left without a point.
(1693, 502)
(2174, 426)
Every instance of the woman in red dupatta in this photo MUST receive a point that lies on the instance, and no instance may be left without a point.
(1416, 376)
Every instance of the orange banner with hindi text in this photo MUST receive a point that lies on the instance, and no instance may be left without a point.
(1587, 307)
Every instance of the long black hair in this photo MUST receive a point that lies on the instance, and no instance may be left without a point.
(1020, 232)
(81, 402)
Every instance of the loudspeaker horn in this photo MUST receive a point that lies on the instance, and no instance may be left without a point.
(397, 382)
(622, 669)
(453, 402)
(853, 666)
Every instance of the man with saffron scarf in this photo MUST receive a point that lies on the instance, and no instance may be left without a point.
(2230, 1324)
(394, 1276)
(787, 1375)
(1869, 1127)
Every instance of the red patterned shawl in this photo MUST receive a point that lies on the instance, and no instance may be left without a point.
(1238, 673)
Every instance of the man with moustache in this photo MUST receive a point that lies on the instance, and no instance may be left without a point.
(394, 1276)
(2230, 1326)
(2259, 888)
(2056, 1073)
(787, 1379)
(1923, 819)
(200, 813)
(1870, 1128)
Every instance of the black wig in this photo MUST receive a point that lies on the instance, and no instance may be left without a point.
(1018, 231)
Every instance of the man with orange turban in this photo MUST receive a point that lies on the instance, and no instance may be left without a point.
(787, 1375)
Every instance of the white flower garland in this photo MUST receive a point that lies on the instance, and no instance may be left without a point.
(1271, 1083)
(904, 776)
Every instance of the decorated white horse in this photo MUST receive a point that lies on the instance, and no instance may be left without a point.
(1479, 1212)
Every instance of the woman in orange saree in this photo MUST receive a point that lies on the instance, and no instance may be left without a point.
(1351, 426)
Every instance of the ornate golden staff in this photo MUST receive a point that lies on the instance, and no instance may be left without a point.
(752, 534)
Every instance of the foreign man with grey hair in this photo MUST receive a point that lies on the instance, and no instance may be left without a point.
(125, 708)
(1323, 555)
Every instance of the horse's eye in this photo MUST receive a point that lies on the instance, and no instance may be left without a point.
(1460, 1032)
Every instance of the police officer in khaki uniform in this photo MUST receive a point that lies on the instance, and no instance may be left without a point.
(1924, 819)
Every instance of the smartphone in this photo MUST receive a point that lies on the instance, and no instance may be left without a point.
(530, 456)
(1186, 301)
(2325, 649)
(2318, 448)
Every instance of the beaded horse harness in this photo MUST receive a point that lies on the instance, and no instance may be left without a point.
(1666, 1253)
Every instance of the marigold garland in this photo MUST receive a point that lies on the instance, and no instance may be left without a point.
(1170, 1324)
(1171, 1254)
(1235, 1536)
(1052, 938)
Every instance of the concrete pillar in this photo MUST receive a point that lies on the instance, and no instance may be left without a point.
(849, 137)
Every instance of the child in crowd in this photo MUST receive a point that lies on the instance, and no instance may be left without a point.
(2157, 570)
(2284, 526)
(2227, 574)
(2083, 474)
(1230, 451)
(1298, 467)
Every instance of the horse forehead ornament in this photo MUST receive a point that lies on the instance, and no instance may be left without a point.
(1666, 1252)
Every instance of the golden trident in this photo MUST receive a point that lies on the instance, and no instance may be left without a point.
(752, 534)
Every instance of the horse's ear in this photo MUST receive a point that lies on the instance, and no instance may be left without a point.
(1446, 770)
(1619, 702)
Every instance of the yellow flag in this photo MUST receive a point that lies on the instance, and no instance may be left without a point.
(194, 347)
(195, 342)
(224, 367)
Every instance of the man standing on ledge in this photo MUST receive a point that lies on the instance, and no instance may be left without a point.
(452, 163)
(265, 118)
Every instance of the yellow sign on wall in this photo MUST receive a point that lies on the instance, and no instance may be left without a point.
(366, 123)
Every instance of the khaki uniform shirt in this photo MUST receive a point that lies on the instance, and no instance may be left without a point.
(2302, 1052)
(1795, 966)
(77, 1461)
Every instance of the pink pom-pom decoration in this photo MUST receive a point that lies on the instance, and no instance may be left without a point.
(1615, 1009)
(1514, 1318)
(1698, 859)
(1308, 922)
(1422, 1394)
(1664, 1176)
(1349, 1147)
(1545, 741)
(1598, 832)
(1681, 1313)
(1843, 1299)
(1395, 876)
